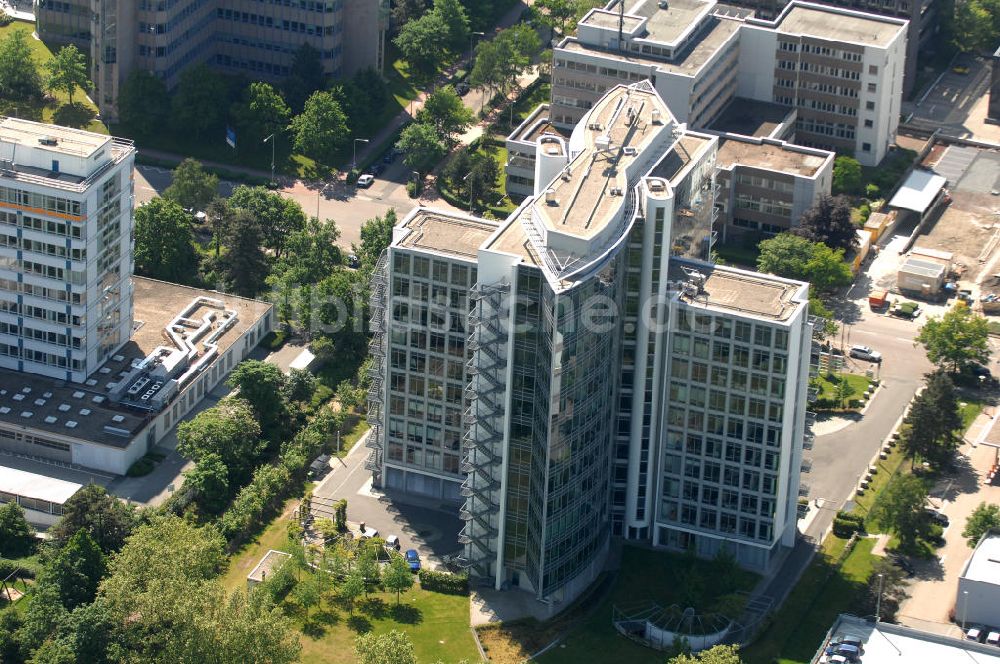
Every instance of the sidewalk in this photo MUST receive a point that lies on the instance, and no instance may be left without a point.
(19, 14)
(176, 158)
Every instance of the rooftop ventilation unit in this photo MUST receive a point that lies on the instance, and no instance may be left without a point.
(63, 407)
(118, 358)
(603, 142)
(104, 370)
(70, 424)
(596, 126)
(656, 184)
(630, 151)
(98, 399)
(78, 395)
(51, 420)
(26, 414)
(118, 418)
(39, 402)
(18, 397)
(26, 390)
(91, 382)
(115, 431)
(550, 196)
(657, 117)
(48, 140)
(4, 410)
(47, 395)
(85, 411)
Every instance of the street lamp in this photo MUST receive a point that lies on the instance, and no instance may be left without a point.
(270, 139)
(472, 36)
(878, 600)
(965, 608)
(354, 161)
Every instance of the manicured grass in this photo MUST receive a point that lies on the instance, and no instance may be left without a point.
(350, 439)
(742, 255)
(496, 201)
(645, 574)
(437, 624)
(275, 536)
(823, 592)
(970, 409)
(887, 469)
(537, 93)
(829, 383)
(80, 115)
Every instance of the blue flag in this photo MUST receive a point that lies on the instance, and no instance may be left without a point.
(231, 137)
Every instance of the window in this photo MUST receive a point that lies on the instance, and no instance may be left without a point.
(866, 147)
(869, 124)
(873, 69)
(869, 106)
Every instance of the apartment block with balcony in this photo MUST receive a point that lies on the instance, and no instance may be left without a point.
(840, 69)
(66, 243)
(245, 37)
(766, 184)
(567, 398)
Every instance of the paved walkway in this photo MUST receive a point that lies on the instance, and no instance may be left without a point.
(20, 14)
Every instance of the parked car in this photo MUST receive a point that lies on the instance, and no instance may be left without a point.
(993, 638)
(849, 652)
(353, 261)
(462, 89)
(375, 169)
(392, 542)
(850, 640)
(368, 533)
(866, 353)
(908, 310)
(904, 564)
(413, 560)
(937, 517)
(366, 180)
(960, 69)
(320, 466)
(976, 633)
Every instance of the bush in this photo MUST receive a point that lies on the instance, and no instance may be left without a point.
(5, 19)
(280, 583)
(412, 189)
(851, 516)
(442, 582)
(30, 567)
(141, 468)
(274, 340)
(843, 528)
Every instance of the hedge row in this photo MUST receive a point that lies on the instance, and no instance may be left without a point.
(846, 524)
(272, 484)
(441, 582)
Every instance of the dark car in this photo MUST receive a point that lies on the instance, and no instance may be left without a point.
(849, 652)
(904, 564)
(413, 560)
(937, 517)
(462, 89)
(353, 261)
(375, 169)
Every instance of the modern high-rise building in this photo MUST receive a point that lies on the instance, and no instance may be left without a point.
(841, 70)
(616, 383)
(65, 248)
(249, 37)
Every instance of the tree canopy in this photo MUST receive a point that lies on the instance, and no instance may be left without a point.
(244, 266)
(321, 128)
(261, 113)
(230, 432)
(143, 102)
(105, 518)
(393, 647)
(262, 385)
(423, 43)
(17, 537)
(19, 77)
(956, 339)
(447, 113)
(977, 25)
(983, 519)
(164, 246)
(456, 20)
(934, 422)
(195, 107)
(191, 186)
(795, 257)
(76, 570)
(305, 77)
(67, 71)
(421, 146)
(846, 175)
(376, 236)
(900, 508)
(724, 654)
(829, 222)
(278, 217)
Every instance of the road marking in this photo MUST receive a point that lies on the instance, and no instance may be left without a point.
(855, 330)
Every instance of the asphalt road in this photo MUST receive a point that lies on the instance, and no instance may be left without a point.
(948, 102)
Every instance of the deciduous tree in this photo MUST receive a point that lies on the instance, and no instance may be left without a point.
(351, 589)
(191, 186)
(311, 253)
(300, 386)
(67, 71)
(956, 339)
(393, 647)
(229, 431)
(421, 146)
(262, 385)
(19, 76)
(76, 570)
(445, 111)
(724, 654)
(210, 480)
(17, 538)
(983, 519)
(900, 509)
(143, 102)
(196, 110)
(795, 257)
(829, 222)
(279, 218)
(106, 519)
(164, 246)
(398, 577)
(376, 236)
(305, 77)
(454, 16)
(846, 175)
(261, 113)
(423, 44)
(321, 128)
(244, 266)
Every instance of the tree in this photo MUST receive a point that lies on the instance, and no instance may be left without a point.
(795, 257)
(164, 246)
(488, 70)
(105, 518)
(143, 102)
(351, 589)
(935, 421)
(421, 146)
(900, 509)
(398, 576)
(447, 113)
(321, 128)
(886, 589)
(195, 107)
(956, 339)
(367, 566)
(191, 186)
(262, 384)
(244, 265)
(517, 47)
(300, 386)
(342, 310)
(423, 43)
(17, 538)
(453, 15)
(309, 592)
(76, 570)
(311, 253)
(261, 113)
(376, 236)
(556, 13)
(976, 25)
(228, 431)
(715, 655)
(67, 71)
(210, 480)
(19, 77)
(829, 222)
(278, 217)
(393, 647)
(45, 613)
(305, 77)
(983, 519)
(846, 175)
(348, 396)
(404, 11)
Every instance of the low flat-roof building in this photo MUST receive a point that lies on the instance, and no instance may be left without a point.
(886, 643)
(978, 598)
(185, 342)
(267, 566)
(41, 497)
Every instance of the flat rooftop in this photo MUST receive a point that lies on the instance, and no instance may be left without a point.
(602, 18)
(39, 487)
(768, 156)
(984, 565)
(585, 201)
(513, 239)
(84, 411)
(738, 291)
(704, 45)
(65, 140)
(896, 644)
(271, 561)
(681, 153)
(750, 117)
(446, 233)
(669, 25)
(823, 23)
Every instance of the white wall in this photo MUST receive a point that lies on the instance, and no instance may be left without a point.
(756, 63)
(981, 605)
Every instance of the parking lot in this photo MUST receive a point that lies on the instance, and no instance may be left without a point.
(949, 101)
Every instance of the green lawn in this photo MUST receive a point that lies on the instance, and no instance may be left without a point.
(970, 409)
(828, 384)
(648, 575)
(498, 203)
(275, 536)
(823, 592)
(887, 469)
(537, 93)
(741, 255)
(80, 115)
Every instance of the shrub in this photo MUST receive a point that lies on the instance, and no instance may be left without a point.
(140, 468)
(412, 189)
(5, 19)
(843, 528)
(30, 567)
(442, 582)
(851, 516)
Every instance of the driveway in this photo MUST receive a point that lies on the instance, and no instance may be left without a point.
(949, 102)
(934, 590)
